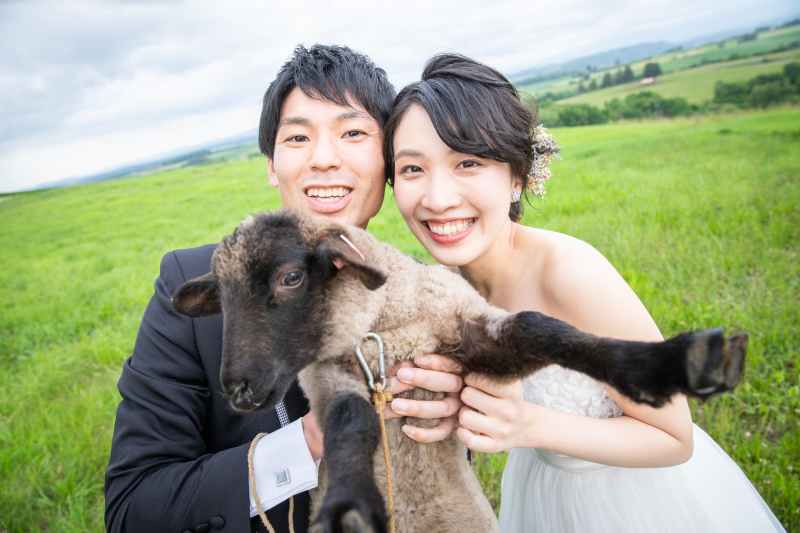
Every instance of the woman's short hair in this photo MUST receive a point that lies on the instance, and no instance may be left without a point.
(474, 109)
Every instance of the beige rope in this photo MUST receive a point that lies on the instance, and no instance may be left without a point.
(255, 494)
(380, 398)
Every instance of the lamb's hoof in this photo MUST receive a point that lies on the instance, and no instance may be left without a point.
(714, 363)
(351, 521)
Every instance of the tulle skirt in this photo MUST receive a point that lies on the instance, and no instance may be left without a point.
(546, 492)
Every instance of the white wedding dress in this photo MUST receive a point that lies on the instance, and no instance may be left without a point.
(548, 492)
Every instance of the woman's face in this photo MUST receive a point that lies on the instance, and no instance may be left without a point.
(455, 204)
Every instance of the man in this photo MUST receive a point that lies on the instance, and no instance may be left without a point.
(179, 455)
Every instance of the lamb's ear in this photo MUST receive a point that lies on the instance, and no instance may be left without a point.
(339, 252)
(197, 298)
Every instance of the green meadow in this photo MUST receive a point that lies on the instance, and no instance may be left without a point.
(700, 216)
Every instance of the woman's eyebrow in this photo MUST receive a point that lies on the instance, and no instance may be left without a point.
(407, 152)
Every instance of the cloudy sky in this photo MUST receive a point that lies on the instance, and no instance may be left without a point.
(87, 86)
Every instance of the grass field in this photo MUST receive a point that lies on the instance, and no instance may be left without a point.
(700, 218)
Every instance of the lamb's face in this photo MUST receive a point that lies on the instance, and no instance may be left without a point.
(269, 279)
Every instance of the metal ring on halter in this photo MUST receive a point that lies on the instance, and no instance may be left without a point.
(381, 361)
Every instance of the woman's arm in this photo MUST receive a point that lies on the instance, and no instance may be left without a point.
(579, 286)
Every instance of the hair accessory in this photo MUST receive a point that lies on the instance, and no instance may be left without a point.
(545, 149)
(515, 196)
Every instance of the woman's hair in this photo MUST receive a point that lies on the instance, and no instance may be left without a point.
(474, 109)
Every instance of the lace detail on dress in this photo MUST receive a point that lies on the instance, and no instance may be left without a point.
(567, 390)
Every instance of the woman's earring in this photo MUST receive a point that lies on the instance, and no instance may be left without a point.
(515, 196)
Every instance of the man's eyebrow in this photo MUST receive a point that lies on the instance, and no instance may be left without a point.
(341, 117)
(294, 121)
(347, 115)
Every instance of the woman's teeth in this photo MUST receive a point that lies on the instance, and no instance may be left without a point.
(450, 228)
(330, 194)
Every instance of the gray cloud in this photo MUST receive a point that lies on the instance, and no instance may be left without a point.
(94, 69)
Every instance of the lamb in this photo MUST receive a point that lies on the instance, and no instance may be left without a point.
(299, 294)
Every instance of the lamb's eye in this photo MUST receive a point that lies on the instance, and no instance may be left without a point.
(292, 279)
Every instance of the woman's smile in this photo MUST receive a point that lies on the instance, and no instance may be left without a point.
(449, 231)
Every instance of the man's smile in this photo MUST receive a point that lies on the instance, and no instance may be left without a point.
(328, 194)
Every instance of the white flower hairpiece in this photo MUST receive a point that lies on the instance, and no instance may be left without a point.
(545, 149)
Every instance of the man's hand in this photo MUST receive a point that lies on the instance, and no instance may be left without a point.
(434, 373)
(313, 435)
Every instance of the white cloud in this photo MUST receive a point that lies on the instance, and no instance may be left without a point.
(30, 162)
(81, 75)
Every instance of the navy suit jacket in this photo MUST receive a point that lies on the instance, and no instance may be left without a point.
(179, 454)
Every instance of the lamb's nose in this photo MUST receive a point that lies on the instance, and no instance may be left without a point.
(242, 394)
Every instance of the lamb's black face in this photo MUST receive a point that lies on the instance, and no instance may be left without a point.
(269, 279)
(273, 321)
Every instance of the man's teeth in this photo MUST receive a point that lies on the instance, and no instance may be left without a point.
(450, 228)
(330, 194)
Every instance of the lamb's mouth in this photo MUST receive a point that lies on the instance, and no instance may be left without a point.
(328, 194)
(452, 227)
(244, 397)
(252, 403)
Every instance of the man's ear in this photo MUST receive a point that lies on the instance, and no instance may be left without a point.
(335, 252)
(273, 176)
(197, 298)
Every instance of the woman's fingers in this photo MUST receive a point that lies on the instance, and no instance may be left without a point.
(478, 443)
(491, 419)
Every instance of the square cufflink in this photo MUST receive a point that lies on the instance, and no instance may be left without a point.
(282, 477)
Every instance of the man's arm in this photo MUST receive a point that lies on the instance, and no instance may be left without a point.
(178, 458)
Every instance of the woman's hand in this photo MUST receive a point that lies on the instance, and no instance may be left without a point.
(434, 373)
(495, 415)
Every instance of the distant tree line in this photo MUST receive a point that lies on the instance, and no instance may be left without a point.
(191, 159)
(735, 55)
(644, 104)
(545, 77)
(622, 75)
(762, 91)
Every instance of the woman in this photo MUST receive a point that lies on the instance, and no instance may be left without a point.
(460, 153)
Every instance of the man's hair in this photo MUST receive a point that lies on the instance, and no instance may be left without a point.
(326, 72)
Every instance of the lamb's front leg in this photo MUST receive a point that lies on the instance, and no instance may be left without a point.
(352, 502)
(697, 363)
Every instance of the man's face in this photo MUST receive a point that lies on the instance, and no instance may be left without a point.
(328, 160)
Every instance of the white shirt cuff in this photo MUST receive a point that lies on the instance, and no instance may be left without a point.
(282, 467)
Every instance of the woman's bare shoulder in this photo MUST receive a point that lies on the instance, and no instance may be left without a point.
(581, 287)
